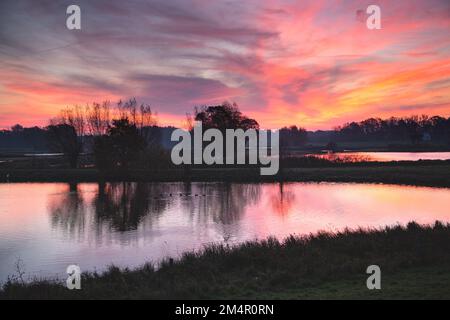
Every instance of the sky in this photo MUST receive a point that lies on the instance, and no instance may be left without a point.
(313, 63)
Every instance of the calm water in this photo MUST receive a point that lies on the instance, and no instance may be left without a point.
(50, 226)
(388, 156)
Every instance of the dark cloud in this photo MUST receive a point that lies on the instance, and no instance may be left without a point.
(419, 107)
(94, 83)
(177, 94)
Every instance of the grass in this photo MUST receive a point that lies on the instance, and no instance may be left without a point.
(414, 260)
(409, 284)
(424, 173)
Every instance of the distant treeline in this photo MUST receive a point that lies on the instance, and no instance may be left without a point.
(414, 129)
(24, 139)
(36, 140)
(102, 128)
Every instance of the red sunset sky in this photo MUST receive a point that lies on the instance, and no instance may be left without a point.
(309, 63)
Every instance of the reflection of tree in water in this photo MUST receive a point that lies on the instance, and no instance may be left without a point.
(221, 203)
(229, 205)
(128, 206)
(124, 205)
(232, 200)
(283, 200)
(68, 211)
(117, 206)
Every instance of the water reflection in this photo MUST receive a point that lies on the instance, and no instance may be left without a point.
(283, 199)
(126, 206)
(94, 225)
(382, 156)
(123, 205)
(68, 211)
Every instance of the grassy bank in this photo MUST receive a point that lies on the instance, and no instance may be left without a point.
(424, 173)
(415, 263)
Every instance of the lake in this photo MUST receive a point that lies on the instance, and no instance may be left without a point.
(47, 226)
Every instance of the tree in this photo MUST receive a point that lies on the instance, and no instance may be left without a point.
(115, 142)
(98, 118)
(73, 117)
(293, 136)
(17, 128)
(122, 144)
(224, 116)
(140, 116)
(103, 150)
(67, 133)
(410, 129)
(63, 138)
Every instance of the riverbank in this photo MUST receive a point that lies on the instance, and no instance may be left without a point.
(414, 262)
(420, 173)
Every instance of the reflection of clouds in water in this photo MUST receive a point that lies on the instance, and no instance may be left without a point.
(282, 200)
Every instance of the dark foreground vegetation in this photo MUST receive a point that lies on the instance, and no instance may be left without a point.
(421, 173)
(414, 261)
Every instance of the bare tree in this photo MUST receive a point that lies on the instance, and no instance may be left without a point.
(140, 116)
(66, 133)
(98, 118)
(128, 110)
(147, 118)
(63, 138)
(75, 127)
(189, 122)
(73, 117)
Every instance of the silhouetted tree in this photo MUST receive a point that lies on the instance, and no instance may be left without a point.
(74, 117)
(293, 136)
(224, 116)
(67, 133)
(103, 150)
(141, 115)
(122, 144)
(17, 128)
(98, 118)
(63, 138)
(410, 129)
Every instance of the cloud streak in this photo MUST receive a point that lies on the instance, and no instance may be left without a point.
(309, 63)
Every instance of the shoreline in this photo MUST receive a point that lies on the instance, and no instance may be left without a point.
(421, 173)
(412, 259)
